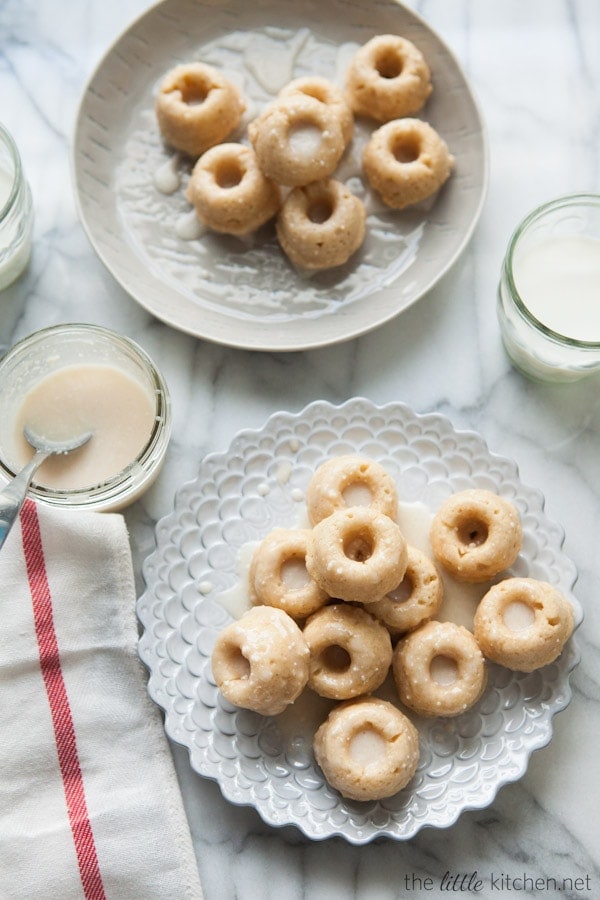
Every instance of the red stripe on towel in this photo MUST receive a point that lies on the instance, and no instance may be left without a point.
(62, 720)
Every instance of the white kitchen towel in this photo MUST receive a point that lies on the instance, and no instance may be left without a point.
(90, 806)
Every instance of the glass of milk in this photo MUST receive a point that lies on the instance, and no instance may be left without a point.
(549, 292)
(16, 212)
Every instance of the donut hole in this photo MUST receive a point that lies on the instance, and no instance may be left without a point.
(238, 666)
(358, 545)
(473, 532)
(367, 746)
(304, 138)
(320, 210)
(357, 493)
(193, 91)
(335, 659)
(405, 148)
(229, 173)
(518, 615)
(294, 574)
(443, 669)
(316, 91)
(389, 63)
(403, 591)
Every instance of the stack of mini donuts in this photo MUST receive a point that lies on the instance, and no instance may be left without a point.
(339, 605)
(296, 144)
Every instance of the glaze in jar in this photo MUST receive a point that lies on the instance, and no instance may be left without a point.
(73, 378)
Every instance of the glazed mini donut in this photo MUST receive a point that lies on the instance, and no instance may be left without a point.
(197, 107)
(439, 669)
(350, 480)
(387, 78)
(357, 554)
(278, 575)
(476, 534)
(260, 662)
(324, 91)
(321, 225)
(523, 624)
(297, 139)
(350, 652)
(367, 749)
(406, 161)
(416, 599)
(229, 191)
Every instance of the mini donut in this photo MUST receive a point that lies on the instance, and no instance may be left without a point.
(541, 625)
(350, 652)
(326, 92)
(387, 78)
(297, 139)
(367, 749)
(416, 599)
(406, 161)
(439, 669)
(197, 107)
(229, 191)
(348, 480)
(476, 534)
(357, 554)
(284, 551)
(261, 661)
(321, 225)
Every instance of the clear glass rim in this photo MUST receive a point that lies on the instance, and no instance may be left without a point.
(140, 470)
(8, 140)
(581, 199)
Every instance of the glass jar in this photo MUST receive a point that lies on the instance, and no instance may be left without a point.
(16, 212)
(549, 291)
(67, 347)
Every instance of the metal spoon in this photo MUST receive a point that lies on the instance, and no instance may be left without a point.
(13, 496)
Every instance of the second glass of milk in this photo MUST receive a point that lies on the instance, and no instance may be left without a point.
(16, 212)
(549, 293)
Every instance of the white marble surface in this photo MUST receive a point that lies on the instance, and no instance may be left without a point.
(536, 72)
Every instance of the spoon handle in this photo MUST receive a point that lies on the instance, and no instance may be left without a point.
(13, 495)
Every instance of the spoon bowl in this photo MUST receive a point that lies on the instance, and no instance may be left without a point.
(43, 444)
(13, 496)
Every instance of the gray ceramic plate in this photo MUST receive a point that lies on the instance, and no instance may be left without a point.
(260, 483)
(247, 294)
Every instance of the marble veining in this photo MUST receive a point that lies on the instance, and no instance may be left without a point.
(535, 71)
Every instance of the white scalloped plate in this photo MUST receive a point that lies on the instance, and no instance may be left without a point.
(238, 497)
(247, 294)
